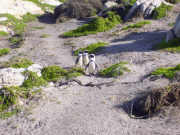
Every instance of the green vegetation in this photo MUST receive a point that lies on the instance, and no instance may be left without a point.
(38, 27)
(74, 72)
(7, 114)
(170, 46)
(3, 34)
(136, 25)
(16, 41)
(171, 24)
(129, 2)
(92, 48)
(18, 25)
(114, 70)
(33, 80)
(44, 36)
(63, 1)
(29, 17)
(43, 6)
(10, 96)
(99, 24)
(4, 51)
(55, 73)
(167, 72)
(17, 62)
(161, 11)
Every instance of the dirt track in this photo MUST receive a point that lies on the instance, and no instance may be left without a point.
(77, 110)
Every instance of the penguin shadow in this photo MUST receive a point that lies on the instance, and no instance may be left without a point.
(134, 42)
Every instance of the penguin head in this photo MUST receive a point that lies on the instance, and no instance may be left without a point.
(92, 57)
(80, 54)
(85, 53)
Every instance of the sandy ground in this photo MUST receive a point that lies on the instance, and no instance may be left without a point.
(77, 110)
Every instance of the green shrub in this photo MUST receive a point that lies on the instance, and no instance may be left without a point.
(74, 72)
(16, 41)
(63, 1)
(29, 17)
(136, 25)
(170, 46)
(161, 11)
(4, 51)
(44, 36)
(17, 24)
(92, 48)
(3, 34)
(99, 24)
(53, 73)
(8, 98)
(33, 80)
(167, 72)
(114, 70)
(19, 63)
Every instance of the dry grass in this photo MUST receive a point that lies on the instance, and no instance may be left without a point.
(154, 101)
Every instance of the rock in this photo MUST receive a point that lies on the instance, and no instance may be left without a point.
(2, 19)
(177, 77)
(35, 68)
(51, 2)
(175, 31)
(146, 7)
(110, 4)
(11, 77)
(19, 8)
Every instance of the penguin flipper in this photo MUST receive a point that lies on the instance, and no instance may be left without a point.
(86, 67)
(76, 62)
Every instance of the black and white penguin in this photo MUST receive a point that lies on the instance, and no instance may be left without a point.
(85, 58)
(79, 60)
(91, 66)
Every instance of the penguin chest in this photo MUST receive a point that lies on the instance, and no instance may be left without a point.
(92, 67)
(85, 60)
(80, 62)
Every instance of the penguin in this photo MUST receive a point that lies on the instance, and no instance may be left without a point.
(91, 67)
(79, 60)
(85, 58)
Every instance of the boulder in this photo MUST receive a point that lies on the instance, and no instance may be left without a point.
(2, 19)
(11, 77)
(18, 8)
(51, 2)
(35, 68)
(175, 31)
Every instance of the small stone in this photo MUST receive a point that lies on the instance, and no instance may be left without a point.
(35, 68)
(2, 19)
(51, 2)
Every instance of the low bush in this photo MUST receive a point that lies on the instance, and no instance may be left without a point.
(136, 25)
(150, 103)
(53, 73)
(33, 80)
(3, 34)
(167, 72)
(18, 62)
(92, 48)
(114, 70)
(99, 24)
(161, 11)
(4, 51)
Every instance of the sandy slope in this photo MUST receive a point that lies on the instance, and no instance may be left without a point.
(77, 110)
